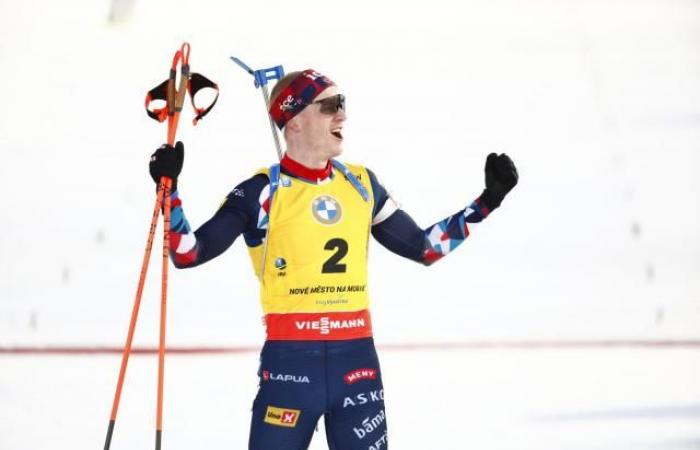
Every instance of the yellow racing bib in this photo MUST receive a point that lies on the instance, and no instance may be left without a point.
(313, 265)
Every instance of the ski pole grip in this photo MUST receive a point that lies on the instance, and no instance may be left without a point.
(261, 76)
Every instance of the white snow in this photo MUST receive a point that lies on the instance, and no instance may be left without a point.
(597, 103)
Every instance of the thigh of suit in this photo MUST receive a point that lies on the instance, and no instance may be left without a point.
(300, 381)
(291, 397)
(356, 419)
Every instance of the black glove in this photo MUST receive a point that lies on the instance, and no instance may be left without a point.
(501, 177)
(167, 162)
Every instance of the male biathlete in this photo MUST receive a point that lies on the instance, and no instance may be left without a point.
(306, 222)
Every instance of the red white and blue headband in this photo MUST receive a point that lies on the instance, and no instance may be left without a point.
(298, 95)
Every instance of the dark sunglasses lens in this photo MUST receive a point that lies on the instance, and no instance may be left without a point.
(341, 102)
(331, 105)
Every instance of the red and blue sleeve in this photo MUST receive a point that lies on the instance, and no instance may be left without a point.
(394, 229)
(237, 215)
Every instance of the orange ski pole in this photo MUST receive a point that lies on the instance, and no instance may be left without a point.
(134, 317)
(176, 99)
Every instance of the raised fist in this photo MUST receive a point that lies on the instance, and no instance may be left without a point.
(501, 177)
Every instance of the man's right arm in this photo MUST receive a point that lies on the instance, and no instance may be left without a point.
(237, 214)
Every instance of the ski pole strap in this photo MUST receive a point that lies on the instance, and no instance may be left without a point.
(159, 92)
(173, 97)
(196, 84)
(352, 179)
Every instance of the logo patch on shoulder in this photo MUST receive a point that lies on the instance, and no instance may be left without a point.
(326, 210)
(282, 417)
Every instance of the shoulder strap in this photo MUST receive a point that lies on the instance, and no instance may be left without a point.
(275, 170)
(352, 179)
(274, 175)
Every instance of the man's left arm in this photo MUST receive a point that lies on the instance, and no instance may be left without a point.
(399, 233)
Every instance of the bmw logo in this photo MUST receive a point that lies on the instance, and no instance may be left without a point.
(326, 210)
(280, 264)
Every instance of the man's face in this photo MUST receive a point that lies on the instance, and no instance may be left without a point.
(321, 133)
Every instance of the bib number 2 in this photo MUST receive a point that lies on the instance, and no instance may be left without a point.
(332, 265)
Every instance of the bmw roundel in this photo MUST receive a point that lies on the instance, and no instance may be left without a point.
(280, 263)
(326, 210)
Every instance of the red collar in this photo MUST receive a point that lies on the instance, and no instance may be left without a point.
(298, 170)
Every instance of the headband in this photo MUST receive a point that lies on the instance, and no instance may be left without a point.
(295, 97)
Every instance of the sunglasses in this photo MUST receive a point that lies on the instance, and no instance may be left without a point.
(332, 104)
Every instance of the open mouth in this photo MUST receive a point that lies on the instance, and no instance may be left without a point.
(336, 132)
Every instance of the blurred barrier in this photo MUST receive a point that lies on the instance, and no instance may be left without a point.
(475, 345)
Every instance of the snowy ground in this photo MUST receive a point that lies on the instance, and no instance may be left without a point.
(539, 399)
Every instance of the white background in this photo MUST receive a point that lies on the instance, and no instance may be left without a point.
(596, 102)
